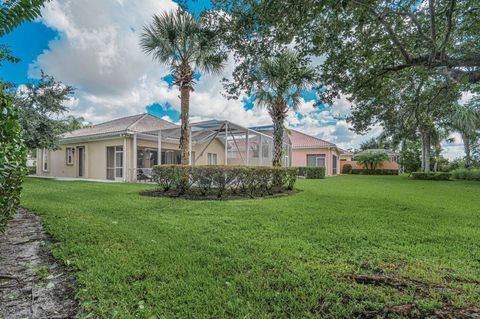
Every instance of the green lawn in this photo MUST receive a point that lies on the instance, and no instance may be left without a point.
(142, 257)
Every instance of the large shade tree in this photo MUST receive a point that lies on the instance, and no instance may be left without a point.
(278, 84)
(185, 44)
(408, 105)
(360, 41)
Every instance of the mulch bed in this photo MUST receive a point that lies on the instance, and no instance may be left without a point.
(195, 194)
(32, 283)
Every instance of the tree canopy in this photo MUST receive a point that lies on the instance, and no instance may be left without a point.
(41, 107)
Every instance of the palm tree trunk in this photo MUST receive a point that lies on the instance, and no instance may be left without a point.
(466, 145)
(184, 136)
(278, 118)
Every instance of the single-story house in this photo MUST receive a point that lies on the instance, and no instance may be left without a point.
(345, 155)
(124, 149)
(393, 163)
(309, 150)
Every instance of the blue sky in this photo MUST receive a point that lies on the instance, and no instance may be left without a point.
(93, 46)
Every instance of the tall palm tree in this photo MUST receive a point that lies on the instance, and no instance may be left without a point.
(279, 83)
(183, 42)
(465, 119)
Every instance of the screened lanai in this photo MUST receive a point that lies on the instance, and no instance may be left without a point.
(213, 142)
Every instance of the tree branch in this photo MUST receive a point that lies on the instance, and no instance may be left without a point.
(431, 4)
(394, 38)
(449, 27)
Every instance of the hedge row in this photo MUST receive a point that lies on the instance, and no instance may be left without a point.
(312, 172)
(433, 176)
(218, 180)
(467, 174)
(12, 158)
(375, 171)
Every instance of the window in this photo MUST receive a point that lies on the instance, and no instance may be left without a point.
(316, 160)
(69, 155)
(212, 159)
(45, 160)
(334, 165)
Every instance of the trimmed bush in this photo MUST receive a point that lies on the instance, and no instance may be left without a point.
(12, 158)
(375, 171)
(431, 176)
(314, 172)
(220, 180)
(466, 174)
(347, 169)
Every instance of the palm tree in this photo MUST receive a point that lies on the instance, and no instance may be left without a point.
(279, 83)
(465, 119)
(183, 42)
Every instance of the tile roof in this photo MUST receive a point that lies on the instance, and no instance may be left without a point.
(302, 140)
(136, 123)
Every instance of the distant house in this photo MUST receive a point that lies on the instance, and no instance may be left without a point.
(125, 149)
(309, 150)
(345, 155)
(391, 164)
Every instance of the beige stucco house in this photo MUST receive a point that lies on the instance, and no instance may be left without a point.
(123, 149)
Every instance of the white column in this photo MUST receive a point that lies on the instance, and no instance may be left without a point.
(190, 162)
(134, 177)
(124, 155)
(226, 143)
(159, 146)
(260, 153)
(247, 152)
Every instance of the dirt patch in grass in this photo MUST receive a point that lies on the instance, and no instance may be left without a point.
(32, 283)
(420, 290)
(195, 194)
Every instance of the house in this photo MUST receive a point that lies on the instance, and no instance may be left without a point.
(123, 149)
(309, 150)
(393, 163)
(345, 155)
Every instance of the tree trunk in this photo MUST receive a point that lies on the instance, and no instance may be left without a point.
(466, 145)
(278, 115)
(425, 151)
(184, 136)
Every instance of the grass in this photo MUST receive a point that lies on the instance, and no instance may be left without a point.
(142, 257)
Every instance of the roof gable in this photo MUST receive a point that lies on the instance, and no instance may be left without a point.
(136, 123)
(302, 140)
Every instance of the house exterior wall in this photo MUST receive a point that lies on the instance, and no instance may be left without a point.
(299, 158)
(95, 160)
(96, 157)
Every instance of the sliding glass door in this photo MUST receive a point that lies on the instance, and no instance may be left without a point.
(115, 162)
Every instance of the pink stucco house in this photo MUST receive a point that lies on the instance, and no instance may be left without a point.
(308, 150)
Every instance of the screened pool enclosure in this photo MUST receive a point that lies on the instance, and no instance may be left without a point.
(213, 142)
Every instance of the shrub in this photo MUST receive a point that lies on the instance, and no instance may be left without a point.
(467, 174)
(432, 176)
(372, 160)
(347, 169)
(12, 158)
(317, 172)
(375, 171)
(217, 180)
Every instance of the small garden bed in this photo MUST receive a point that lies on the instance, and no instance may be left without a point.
(222, 182)
(196, 194)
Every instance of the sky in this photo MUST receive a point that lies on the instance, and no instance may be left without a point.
(94, 46)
